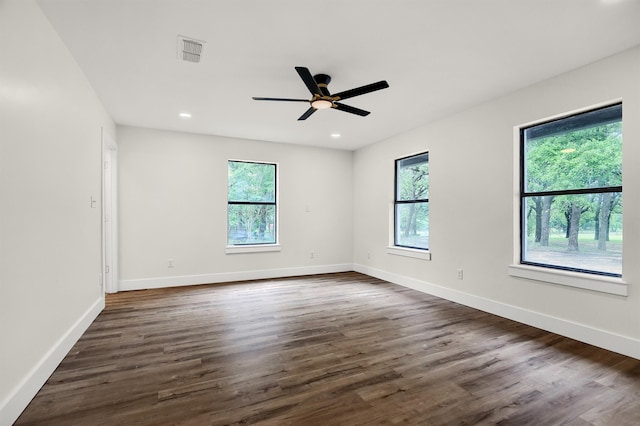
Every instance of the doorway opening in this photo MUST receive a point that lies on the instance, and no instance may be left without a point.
(109, 213)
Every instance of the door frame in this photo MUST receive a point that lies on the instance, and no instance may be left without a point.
(109, 217)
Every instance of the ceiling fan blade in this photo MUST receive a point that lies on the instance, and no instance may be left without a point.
(280, 99)
(311, 84)
(352, 110)
(307, 113)
(360, 90)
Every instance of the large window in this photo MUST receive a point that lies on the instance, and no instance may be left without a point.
(571, 192)
(411, 210)
(251, 205)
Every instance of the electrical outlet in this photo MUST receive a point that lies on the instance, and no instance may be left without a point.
(460, 274)
(312, 255)
(170, 263)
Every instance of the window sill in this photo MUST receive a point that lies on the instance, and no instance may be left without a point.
(610, 285)
(258, 248)
(408, 252)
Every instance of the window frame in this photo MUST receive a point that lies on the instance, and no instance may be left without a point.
(255, 246)
(398, 249)
(527, 268)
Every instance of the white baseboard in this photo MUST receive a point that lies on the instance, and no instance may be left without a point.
(593, 336)
(17, 401)
(161, 282)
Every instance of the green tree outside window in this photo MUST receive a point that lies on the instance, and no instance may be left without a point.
(572, 192)
(411, 212)
(251, 203)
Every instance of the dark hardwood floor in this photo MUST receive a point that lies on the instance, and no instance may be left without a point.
(336, 349)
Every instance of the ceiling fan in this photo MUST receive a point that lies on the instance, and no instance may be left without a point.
(322, 99)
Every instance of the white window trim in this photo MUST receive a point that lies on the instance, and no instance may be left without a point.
(409, 252)
(599, 283)
(593, 282)
(258, 248)
(415, 253)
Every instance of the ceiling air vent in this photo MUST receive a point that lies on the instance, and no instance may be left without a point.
(189, 49)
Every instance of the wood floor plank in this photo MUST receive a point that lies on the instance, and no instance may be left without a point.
(332, 349)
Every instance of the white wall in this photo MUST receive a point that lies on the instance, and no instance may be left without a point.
(173, 194)
(472, 196)
(50, 136)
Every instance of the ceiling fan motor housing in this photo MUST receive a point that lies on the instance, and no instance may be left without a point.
(323, 81)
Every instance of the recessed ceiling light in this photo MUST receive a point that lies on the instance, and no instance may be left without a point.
(184, 115)
(335, 135)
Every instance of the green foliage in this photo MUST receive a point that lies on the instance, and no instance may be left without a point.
(253, 183)
(588, 158)
(412, 221)
(412, 218)
(413, 181)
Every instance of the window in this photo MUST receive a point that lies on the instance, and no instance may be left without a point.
(251, 203)
(411, 205)
(571, 193)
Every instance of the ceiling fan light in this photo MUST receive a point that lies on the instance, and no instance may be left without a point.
(321, 104)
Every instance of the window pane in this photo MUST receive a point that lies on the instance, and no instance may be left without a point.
(575, 153)
(252, 182)
(251, 224)
(581, 232)
(412, 178)
(412, 225)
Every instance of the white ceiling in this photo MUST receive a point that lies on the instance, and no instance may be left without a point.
(438, 56)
